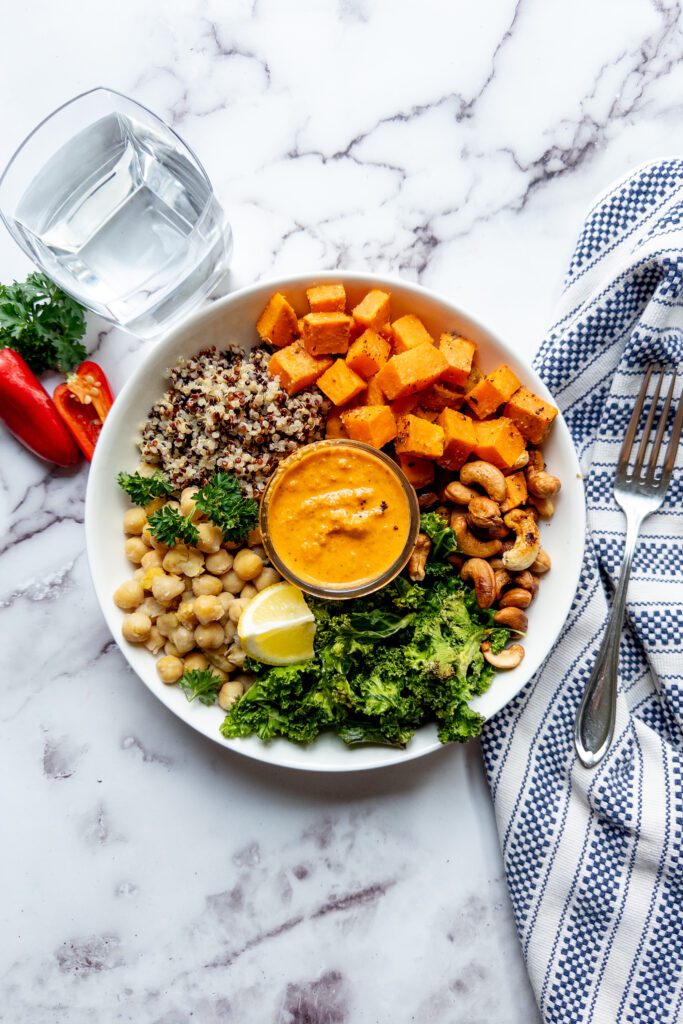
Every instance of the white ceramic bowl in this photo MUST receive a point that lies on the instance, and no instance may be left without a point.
(232, 320)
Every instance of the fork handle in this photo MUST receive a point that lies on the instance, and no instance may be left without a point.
(594, 726)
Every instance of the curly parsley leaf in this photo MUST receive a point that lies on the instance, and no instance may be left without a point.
(222, 501)
(141, 489)
(441, 535)
(169, 527)
(42, 323)
(202, 684)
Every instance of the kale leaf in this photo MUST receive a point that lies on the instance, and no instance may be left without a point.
(440, 533)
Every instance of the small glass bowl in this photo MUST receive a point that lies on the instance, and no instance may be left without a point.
(342, 593)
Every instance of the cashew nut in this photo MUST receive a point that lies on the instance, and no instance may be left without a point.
(540, 483)
(487, 476)
(457, 560)
(427, 500)
(418, 559)
(468, 543)
(527, 580)
(483, 513)
(502, 578)
(520, 462)
(458, 494)
(512, 618)
(527, 543)
(516, 597)
(544, 506)
(443, 513)
(542, 563)
(479, 572)
(496, 563)
(511, 657)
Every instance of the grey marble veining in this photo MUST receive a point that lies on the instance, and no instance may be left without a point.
(148, 875)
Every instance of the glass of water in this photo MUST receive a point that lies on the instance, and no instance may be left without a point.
(109, 202)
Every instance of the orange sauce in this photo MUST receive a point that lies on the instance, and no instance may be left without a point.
(338, 517)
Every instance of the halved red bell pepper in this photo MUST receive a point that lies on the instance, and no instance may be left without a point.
(30, 414)
(83, 403)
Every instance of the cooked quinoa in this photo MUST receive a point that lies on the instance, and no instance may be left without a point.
(224, 411)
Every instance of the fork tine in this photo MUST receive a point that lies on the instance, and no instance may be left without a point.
(673, 442)
(657, 443)
(627, 445)
(647, 429)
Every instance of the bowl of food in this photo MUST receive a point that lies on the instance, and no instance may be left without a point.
(319, 516)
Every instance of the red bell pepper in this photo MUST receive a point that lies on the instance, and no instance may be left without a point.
(83, 403)
(29, 413)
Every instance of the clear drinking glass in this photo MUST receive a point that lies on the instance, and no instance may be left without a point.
(109, 202)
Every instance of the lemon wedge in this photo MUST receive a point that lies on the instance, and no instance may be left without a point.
(277, 626)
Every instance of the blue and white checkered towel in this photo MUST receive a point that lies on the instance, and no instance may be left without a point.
(594, 859)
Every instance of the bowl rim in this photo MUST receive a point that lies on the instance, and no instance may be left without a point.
(282, 283)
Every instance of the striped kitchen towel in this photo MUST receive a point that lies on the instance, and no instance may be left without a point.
(594, 858)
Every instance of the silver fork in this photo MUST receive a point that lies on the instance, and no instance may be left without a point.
(639, 494)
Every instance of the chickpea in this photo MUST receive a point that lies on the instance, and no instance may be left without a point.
(167, 588)
(139, 574)
(170, 669)
(229, 693)
(231, 582)
(196, 660)
(188, 586)
(147, 535)
(210, 636)
(218, 659)
(221, 673)
(226, 600)
(129, 595)
(187, 504)
(135, 548)
(134, 520)
(136, 627)
(236, 609)
(254, 537)
(206, 584)
(247, 564)
(155, 641)
(151, 607)
(171, 649)
(210, 538)
(248, 591)
(147, 469)
(246, 679)
(208, 608)
(150, 575)
(219, 562)
(186, 615)
(182, 639)
(261, 552)
(267, 578)
(183, 560)
(152, 560)
(229, 628)
(167, 622)
(154, 505)
(236, 655)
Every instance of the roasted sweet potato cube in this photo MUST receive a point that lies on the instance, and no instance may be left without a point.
(368, 354)
(494, 389)
(442, 396)
(531, 415)
(373, 309)
(373, 424)
(409, 332)
(419, 437)
(334, 427)
(404, 405)
(374, 395)
(459, 353)
(431, 415)
(411, 371)
(326, 298)
(498, 441)
(419, 472)
(459, 438)
(296, 369)
(326, 333)
(341, 384)
(515, 484)
(278, 322)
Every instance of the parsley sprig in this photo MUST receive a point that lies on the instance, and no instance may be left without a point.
(42, 323)
(169, 527)
(203, 684)
(141, 489)
(222, 501)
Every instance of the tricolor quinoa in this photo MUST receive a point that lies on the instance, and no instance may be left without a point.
(224, 411)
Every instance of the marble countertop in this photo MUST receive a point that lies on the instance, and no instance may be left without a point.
(148, 875)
